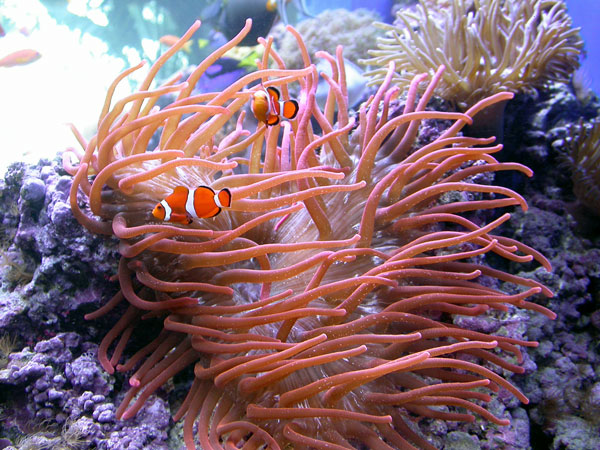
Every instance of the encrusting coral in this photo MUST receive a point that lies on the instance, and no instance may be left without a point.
(317, 310)
(487, 46)
(354, 30)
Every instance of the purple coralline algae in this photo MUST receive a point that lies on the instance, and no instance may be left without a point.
(60, 389)
(53, 392)
(563, 390)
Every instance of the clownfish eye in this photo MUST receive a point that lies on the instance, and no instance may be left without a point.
(160, 207)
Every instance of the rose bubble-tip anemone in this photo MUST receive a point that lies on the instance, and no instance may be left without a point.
(317, 310)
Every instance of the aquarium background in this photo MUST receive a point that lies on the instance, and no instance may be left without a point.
(85, 44)
(82, 48)
(586, 15)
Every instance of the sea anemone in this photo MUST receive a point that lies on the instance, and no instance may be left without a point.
(583, 144)
(317, 310)
(487, 46)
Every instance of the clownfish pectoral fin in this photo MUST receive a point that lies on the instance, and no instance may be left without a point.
(181, 218)
(274, 93)
(290, 109)
(272, 120)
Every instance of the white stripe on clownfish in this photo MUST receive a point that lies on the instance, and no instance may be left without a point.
(168, 210)
(189, 204)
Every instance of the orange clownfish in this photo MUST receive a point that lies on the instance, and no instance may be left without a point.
(268, 107)
(184, 205)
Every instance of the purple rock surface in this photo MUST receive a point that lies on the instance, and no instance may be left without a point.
(53, 391)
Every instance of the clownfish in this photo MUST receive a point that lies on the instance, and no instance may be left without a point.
(268, 107)
(184, 205)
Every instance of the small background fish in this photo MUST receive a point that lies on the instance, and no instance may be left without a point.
(20, 58)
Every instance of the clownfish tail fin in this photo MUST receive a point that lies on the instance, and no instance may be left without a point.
(290, 109)
(224, 196)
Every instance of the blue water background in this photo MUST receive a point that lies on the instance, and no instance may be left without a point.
(586, 14)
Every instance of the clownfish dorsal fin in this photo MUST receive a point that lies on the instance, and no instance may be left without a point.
(183, 219)
(207, 187)
(180, 190)
(178, 199)
(274, 93)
